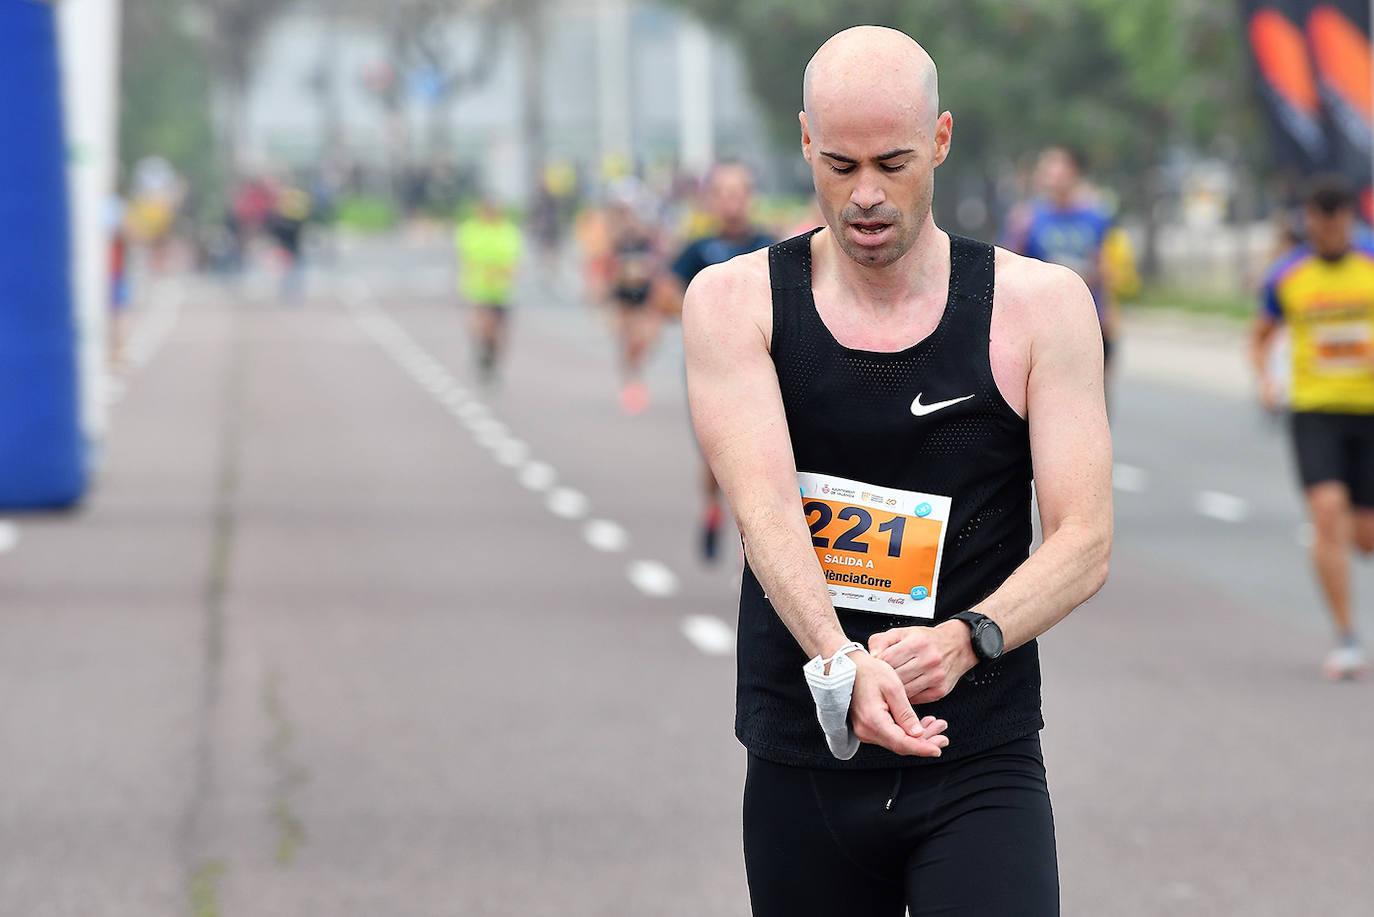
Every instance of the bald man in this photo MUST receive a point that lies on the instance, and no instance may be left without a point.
(874, 398)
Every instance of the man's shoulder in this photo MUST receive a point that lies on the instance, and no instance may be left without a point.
(1037, 295)
(1285, 266)
(1020, 276)
(730, 290)
(741, 274)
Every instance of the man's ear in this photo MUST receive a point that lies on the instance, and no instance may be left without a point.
(805, 136)
(944, 133)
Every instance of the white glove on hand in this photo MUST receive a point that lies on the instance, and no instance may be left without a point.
(832, 693)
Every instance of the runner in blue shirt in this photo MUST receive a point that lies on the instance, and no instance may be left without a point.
(1066, 226)
(729, 202)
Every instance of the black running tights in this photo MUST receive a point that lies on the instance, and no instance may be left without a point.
(968, 837)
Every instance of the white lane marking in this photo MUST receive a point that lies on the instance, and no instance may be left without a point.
(153, 330)
(512, 453)
(489, 426)
(472, 410)
(1129, 478)
(9, 536)
(568, 503)
(537, 475)
(652, 578)
(492, 439)
(605, 535)
(709, 634)
(1223, 507)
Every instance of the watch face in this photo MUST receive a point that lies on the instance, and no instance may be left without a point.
(989, 638)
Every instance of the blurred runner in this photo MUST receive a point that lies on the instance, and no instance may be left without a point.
(115, 212)
(878, 454)
(635, 280)
(155, 198)
(1324, 293)
(729, 200)
(1066, 225)
(489, 247)
(286, 224)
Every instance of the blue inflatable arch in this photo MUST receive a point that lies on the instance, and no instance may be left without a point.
(42, 451)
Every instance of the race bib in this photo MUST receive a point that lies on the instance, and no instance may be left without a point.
(1344, 346)
(880, 547)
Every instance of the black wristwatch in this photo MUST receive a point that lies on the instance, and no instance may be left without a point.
(986, 635)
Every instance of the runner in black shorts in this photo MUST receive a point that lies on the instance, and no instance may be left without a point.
(873, 397)
(1324, 292)
(729, 202)
(635, 279)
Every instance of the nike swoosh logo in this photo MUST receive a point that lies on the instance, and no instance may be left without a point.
(921, 410)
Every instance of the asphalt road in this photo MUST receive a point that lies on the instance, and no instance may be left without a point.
(340, 632)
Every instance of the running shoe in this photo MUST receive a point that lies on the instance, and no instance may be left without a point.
(634, 398)
(1346, 663)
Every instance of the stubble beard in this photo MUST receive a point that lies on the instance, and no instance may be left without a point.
(907, 232)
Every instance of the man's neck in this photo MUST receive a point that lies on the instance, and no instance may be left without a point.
(736, 233)
(1062, 202)
(920, 274)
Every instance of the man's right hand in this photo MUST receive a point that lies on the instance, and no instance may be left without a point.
(1270, 394)
(881, 714)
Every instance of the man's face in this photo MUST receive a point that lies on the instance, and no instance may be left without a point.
(874, 171)
(729, 197)
(1330, 232)
(1056, 176)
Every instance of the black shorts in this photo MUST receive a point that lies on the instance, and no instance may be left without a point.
(973, 837)
(500, 313)
(632, 299)
(1336, 447)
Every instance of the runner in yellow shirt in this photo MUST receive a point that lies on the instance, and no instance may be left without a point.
(489, 246)
(1324, 293)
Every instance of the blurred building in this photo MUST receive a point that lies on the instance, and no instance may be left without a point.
(619, 83)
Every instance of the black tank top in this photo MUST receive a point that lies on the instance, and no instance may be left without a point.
(849, 414)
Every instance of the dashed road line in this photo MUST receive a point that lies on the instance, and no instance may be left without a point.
(1221, 506)
(149, 334)
(512, 453)
(9, 536)
(605, 535)
(538, 475)
(1129, 479)
(653, 578)
(709, 634)
(568, 503)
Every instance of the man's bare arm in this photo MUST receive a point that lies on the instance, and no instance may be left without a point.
(740, 422)
(1262, 335)
(1072, 457)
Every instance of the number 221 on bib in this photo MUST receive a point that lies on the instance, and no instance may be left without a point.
(879, 547)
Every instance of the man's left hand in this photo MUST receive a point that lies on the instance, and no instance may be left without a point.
(929, 660)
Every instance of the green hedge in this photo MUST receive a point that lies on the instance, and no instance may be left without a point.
(366, 214)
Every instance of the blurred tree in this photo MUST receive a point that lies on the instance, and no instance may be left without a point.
(428, 58)
(164, 91)
(232, 30)
(1120, 79)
